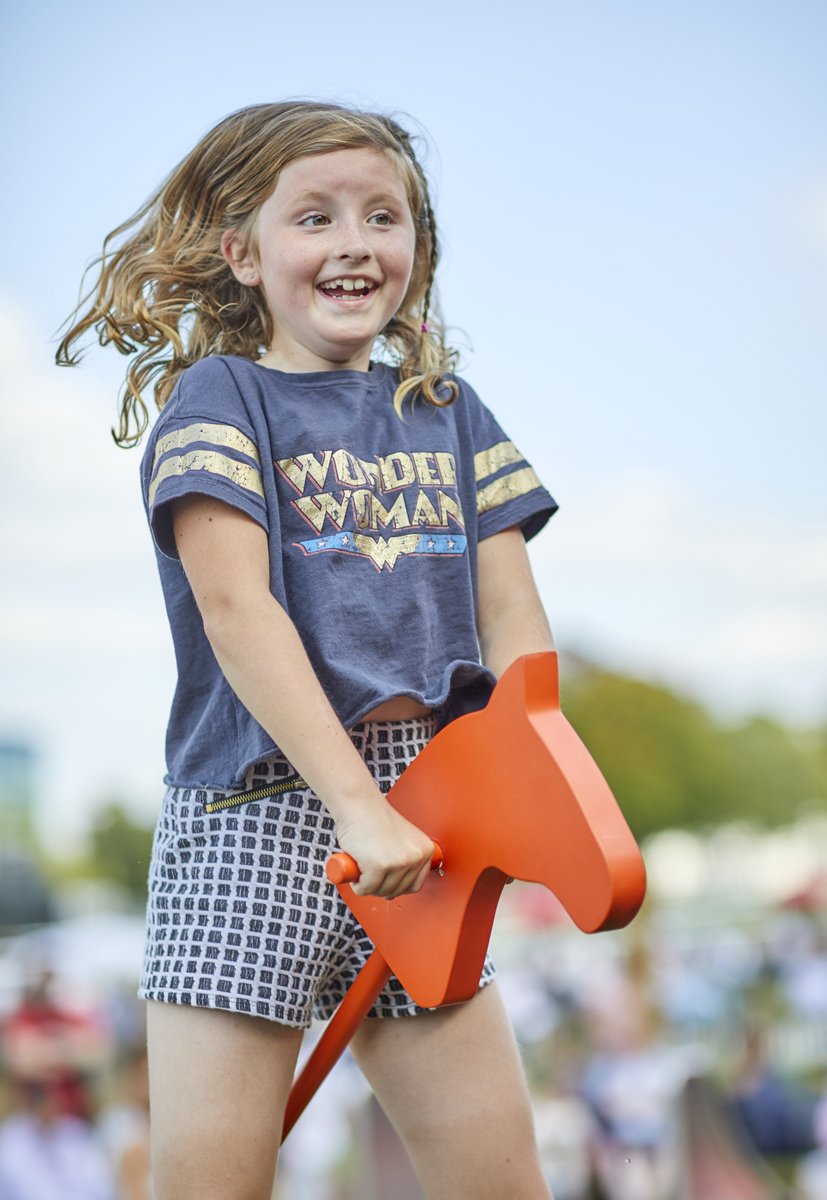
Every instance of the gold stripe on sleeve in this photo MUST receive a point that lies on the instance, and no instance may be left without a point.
(501, 455)
(510, 487)
(213, 463)
(226, 436)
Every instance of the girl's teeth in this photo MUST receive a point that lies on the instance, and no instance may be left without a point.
(347, 285)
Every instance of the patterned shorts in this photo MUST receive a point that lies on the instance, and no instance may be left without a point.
(240, 913)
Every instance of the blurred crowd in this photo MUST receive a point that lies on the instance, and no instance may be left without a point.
(682, 1059)
(76, 1100)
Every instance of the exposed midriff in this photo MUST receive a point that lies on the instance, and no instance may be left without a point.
(399, 708)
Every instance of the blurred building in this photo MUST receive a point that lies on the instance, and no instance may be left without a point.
(24, 895)
(18, 762)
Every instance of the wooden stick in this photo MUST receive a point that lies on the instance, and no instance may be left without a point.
(341, 1027)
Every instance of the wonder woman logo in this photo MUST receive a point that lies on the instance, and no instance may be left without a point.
(385, 552)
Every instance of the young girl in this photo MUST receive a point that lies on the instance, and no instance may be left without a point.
(341, 544)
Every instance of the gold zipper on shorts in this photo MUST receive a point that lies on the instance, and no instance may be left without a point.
(272, 789)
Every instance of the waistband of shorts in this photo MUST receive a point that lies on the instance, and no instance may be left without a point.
(406, 729)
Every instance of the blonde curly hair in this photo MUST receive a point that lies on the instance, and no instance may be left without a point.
(165, 294)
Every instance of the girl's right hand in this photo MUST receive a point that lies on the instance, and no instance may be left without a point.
(394, 857)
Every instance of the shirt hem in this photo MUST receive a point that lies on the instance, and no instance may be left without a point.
(476, 677)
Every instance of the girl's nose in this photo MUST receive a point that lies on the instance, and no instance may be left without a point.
(352, 244)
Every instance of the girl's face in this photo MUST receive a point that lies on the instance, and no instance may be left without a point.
(335, 254)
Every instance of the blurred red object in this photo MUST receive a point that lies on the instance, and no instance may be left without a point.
(537, 907)
(50, 1050)
(811, 897)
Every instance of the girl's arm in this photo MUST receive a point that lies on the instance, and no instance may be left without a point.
(510, 616)
(226, 559)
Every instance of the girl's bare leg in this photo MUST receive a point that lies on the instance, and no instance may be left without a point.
(452, 1084)
(218, 1085)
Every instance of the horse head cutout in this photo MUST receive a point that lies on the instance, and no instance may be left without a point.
(507, 792)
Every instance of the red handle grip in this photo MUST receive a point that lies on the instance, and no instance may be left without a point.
(341, 868)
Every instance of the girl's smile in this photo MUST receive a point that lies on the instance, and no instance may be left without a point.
(348, 289)
(333, 255)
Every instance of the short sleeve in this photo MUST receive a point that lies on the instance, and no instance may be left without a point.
(509, 491)
(203, 443)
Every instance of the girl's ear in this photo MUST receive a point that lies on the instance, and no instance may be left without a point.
(239, 258)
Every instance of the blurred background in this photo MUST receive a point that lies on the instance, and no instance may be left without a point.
(633, 204)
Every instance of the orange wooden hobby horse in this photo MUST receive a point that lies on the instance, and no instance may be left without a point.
(507, 792)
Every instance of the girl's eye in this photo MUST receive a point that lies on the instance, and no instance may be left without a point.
(381, 218)
(314, 220)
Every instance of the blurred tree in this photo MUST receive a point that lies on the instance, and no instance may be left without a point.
(773, 772)
(660, 753)
(820, 751)
(670, 763)
(120, 848)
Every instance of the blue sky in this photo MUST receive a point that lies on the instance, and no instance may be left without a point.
(633, 200)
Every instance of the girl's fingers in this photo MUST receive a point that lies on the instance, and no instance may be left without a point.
(387, 887)
(395, 883)
(419, 877)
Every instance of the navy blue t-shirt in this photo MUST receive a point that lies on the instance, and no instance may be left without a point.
(373, 523)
